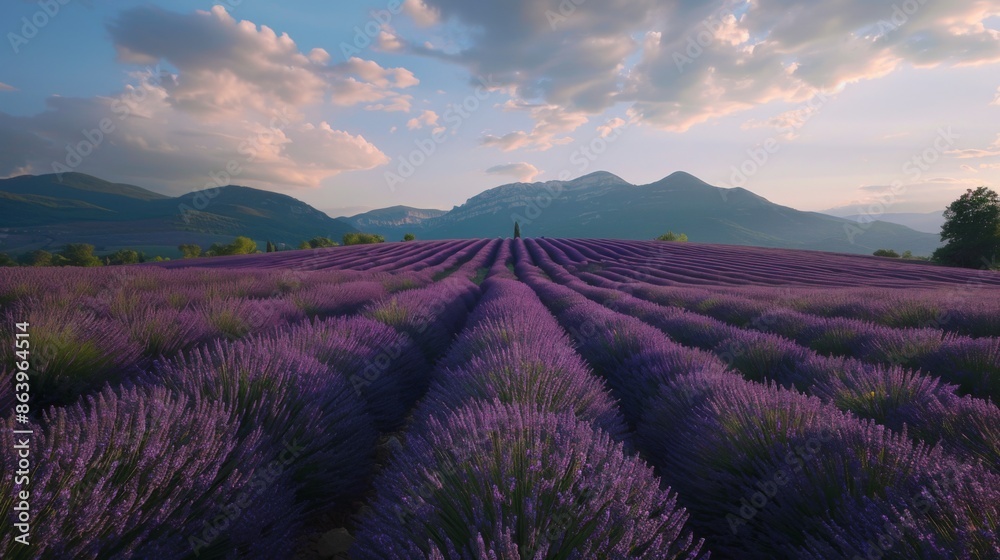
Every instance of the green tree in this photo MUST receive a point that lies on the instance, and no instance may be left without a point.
(80, 254)
(240, 246)
(517, 229)
(123, 256)
(318, 243)
(971, 230)
(671, 236)
(37, 257)
(5, 260)
(270, 247)
(886, 253)
(362, 238)
(190, 251)
(409, 237)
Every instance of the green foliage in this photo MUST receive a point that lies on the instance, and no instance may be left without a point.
(37, 257)
(190, 251)
(971, 230)
(887, 253)
(671, 236)
(123, 256)
(270, 247)
(5, 260)
(517, 230)
(240, 246)
(319, 243)
(409, 237)
(362, 238)
(79, 254)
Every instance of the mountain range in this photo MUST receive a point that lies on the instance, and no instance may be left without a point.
(48, 211)
(927, 222)
(603, 205)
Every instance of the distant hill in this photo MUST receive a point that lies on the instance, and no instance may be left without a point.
(603, 205)
(392, 218)
(929, 222)
(42, 212)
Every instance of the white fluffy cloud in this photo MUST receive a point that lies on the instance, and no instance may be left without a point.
(238, 99)
(552, 122)
(523, 172)
(677, 64)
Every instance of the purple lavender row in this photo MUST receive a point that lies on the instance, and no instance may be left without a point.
(504, 459)
(963, 308)
(85, 341)
(633, 357)
(432, 316)
(146, 473)
(903, 400)
(780, 266)
(502, 264)
(514, 351)
(477, 268)
(456, 260)
(971, 363)
(420, 255)
(770, 473)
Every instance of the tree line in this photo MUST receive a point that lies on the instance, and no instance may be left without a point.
(82, 254)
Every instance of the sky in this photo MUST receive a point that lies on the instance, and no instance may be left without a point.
(867, 106)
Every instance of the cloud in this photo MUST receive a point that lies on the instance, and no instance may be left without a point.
(150, 142)
(387, 41)
(226, 67)
(969, 168)
(238, 100)
(523, 172)
(992, 150)
(677, 64)
(5, 87)
(790, 122)
(551, 123)
(924, 196)
(427, 118)
(607, 128)
(996, 100)
(421, 13)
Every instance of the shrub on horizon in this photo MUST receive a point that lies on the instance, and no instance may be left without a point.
(671, 236)
(362, 238)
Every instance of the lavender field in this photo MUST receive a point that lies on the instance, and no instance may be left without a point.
(507, 399)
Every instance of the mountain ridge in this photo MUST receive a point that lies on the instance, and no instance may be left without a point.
(48, 211)
(604, 205)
